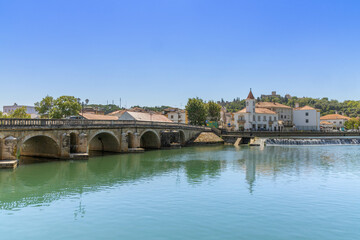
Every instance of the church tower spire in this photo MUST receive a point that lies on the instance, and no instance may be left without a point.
(250, 103)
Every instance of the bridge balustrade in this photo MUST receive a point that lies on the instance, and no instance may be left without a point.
(21, 123)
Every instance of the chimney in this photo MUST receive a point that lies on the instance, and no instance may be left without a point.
(296, 105)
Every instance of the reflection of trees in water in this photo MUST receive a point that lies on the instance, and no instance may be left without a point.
(46, 182)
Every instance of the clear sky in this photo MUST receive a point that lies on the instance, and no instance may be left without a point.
(161, 52)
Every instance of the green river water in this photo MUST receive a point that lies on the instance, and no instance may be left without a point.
(218, 192)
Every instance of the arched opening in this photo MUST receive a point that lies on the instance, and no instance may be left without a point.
(150, 140)
(73, 143)
(130, 139)
(40, 146)
(104, 142)
(182, 138)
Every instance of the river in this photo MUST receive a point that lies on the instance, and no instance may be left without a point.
(217, 192)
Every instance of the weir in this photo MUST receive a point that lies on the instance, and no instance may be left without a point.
(313, 141)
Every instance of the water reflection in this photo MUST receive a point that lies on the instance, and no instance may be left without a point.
(43, 183)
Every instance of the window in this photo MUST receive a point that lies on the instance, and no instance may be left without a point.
(284, 116)
(247, 103)
(254, 118)
(253, 103)
(274, 118)
(340, 122)
(172, 116)
(179, 116)
(259, 118)
(269, 118)
(307, 120)
(264, 118)
(281, 116)
(306, 114)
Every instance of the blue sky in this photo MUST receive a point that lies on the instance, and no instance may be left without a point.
(161, 52)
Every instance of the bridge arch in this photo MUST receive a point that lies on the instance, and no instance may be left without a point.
(104, 141)
(39, 145)
(150, 139)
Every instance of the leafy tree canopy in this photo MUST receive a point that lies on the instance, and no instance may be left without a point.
(65, 106)
(44, 106)
(17, 113)
(213, 111)
(197, 111)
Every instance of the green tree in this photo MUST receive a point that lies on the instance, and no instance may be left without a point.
(213, 111)
(65, 106)
(44, 106)
(352, 123)
(19, 113)
(197, 111)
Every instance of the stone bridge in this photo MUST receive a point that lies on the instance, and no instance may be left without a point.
(66, 139)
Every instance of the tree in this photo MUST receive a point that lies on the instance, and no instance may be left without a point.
(65, 106)
(1, 115)
(352, 123)
(197, 111)
(44, 106)
(19, 113)
(213, 111)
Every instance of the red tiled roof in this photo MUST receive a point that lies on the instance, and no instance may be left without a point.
(141, 116)
(326, 123)
(250, 96)
(305, 108)
(259, 110)
(271, 105)
(117, 113)
(91, 116)
(334, 117)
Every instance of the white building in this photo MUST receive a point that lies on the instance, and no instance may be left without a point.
(176, 115)
(254, 118)
(306, 118)
(336, 119)
(284, 112)
(29, 110)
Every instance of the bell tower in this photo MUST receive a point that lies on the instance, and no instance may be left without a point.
(250, 103)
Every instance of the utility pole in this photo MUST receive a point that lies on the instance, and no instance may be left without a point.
(120, 103)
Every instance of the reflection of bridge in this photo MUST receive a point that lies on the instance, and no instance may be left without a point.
(68, 138)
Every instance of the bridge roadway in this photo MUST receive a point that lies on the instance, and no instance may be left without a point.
(66, 139)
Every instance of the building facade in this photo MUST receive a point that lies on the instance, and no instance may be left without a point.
(254, 118)
(306, 118)
(176, 115)
(29, 110)
(284, 112)
(336, 120)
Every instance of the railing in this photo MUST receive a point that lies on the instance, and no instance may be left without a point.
(33, 123)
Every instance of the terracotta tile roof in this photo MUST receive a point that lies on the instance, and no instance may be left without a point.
(117, 113)
(305, 108)
(250, 96)
(259, 110)
(334, 117)
(326, 123)
(91, 116)
(140, 116)
(271, 105)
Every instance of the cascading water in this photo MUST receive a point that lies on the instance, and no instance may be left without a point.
(313, 141)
